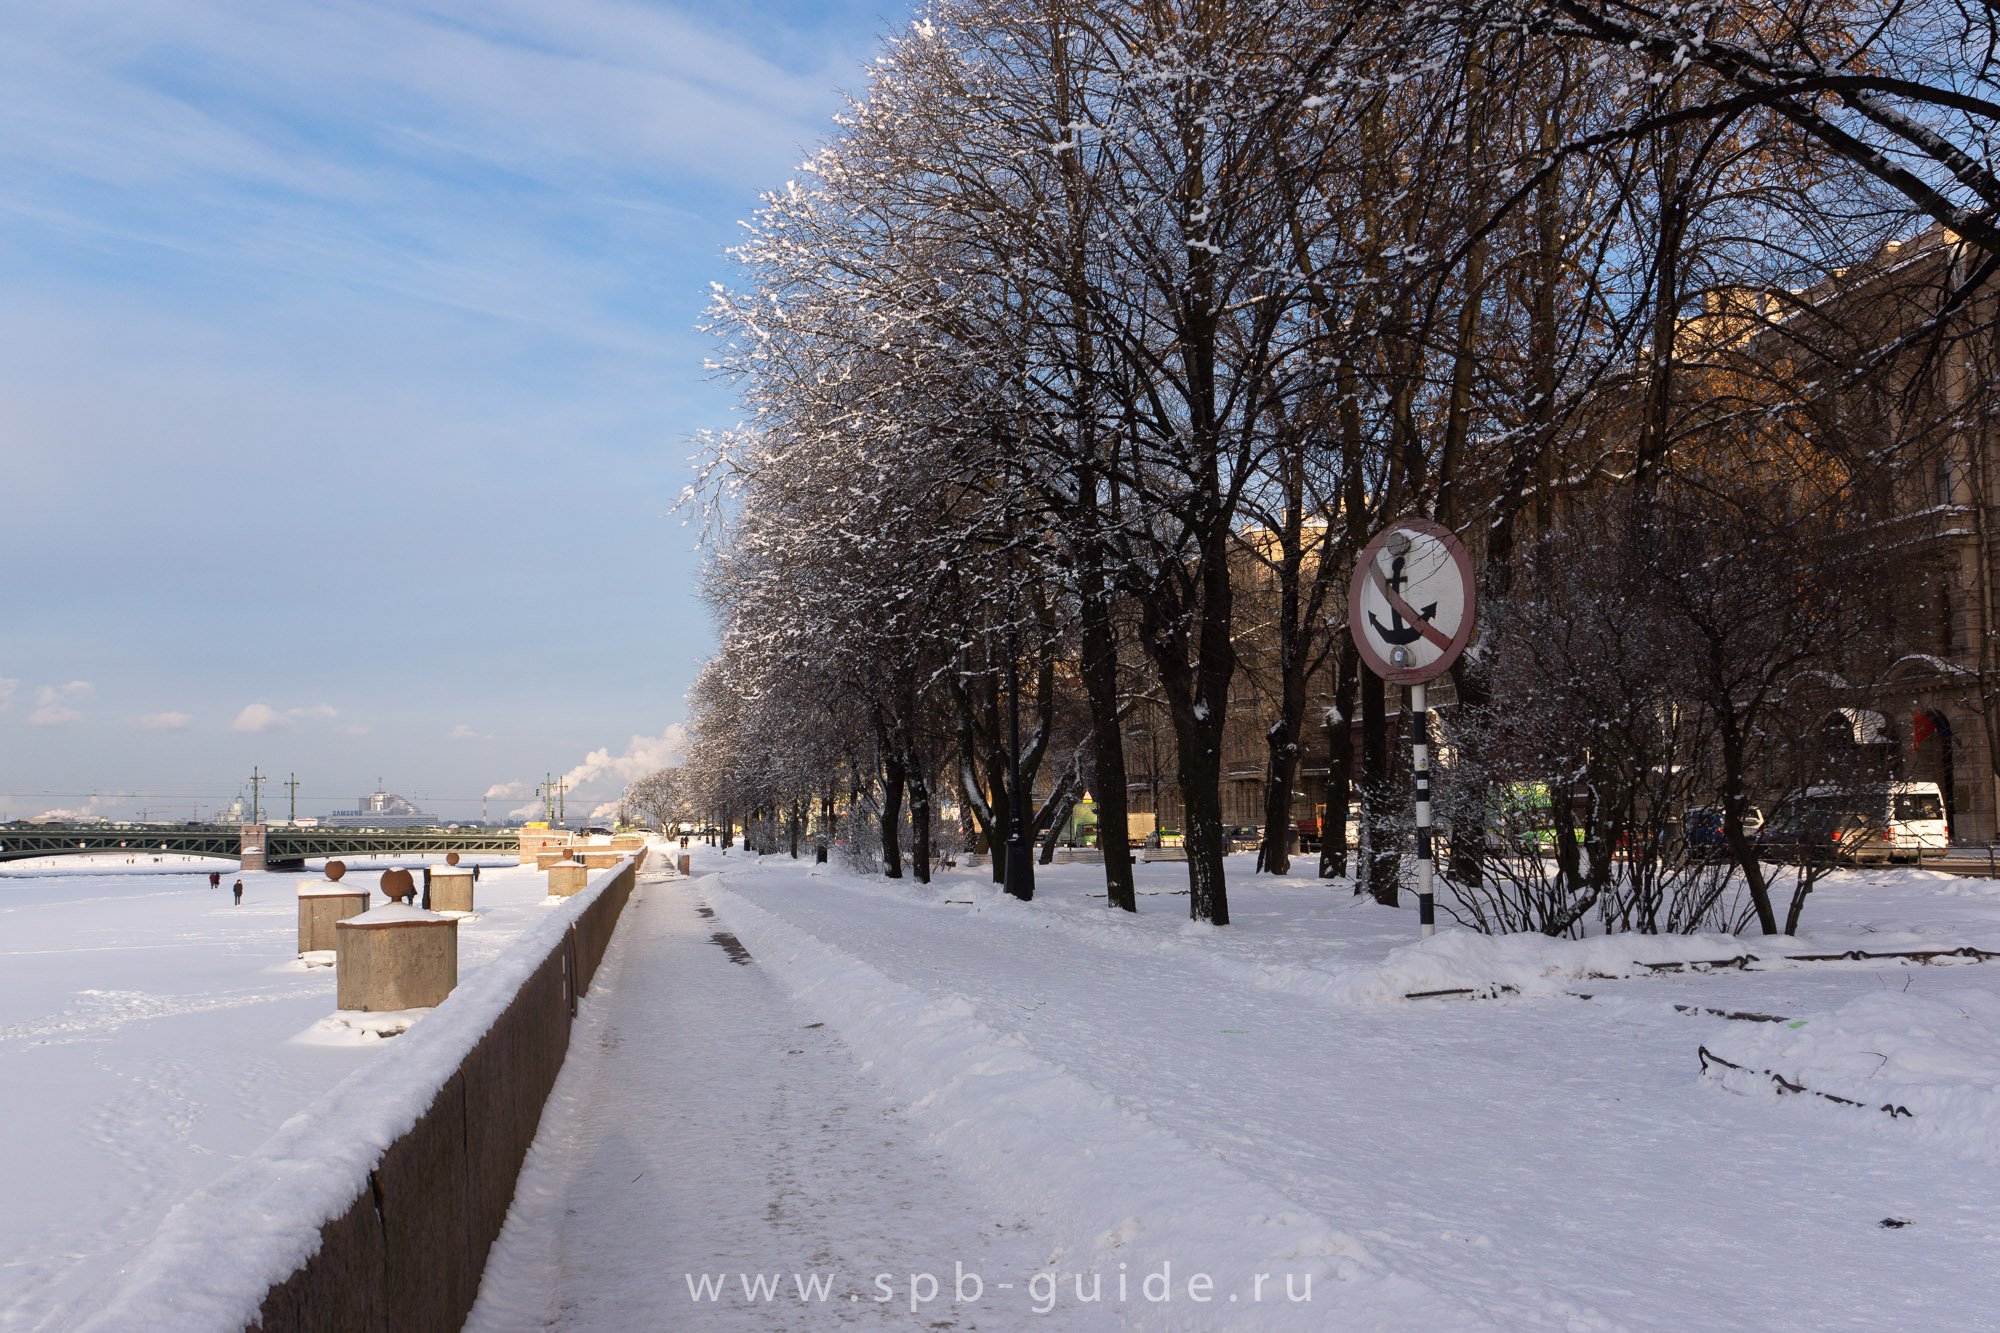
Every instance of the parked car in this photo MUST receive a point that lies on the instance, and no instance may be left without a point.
(1810, 828)
(1862, 825)
(1243, 837)
(1703, 827)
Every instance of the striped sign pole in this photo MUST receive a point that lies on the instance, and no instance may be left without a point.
(1420, 753)
(1411, 609)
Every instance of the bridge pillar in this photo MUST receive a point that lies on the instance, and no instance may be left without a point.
(253, 857)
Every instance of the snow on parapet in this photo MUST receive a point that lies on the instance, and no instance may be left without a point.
(218, 1253)
(392, 914)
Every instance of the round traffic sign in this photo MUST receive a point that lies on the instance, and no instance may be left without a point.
(1411, 605)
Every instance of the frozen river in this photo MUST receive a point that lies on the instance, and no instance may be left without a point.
(151, 1033)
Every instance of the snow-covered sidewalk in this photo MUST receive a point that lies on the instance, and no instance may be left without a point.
(712, 1157)
(1143, 1091)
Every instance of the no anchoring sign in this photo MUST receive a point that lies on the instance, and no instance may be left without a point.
(1411, 606)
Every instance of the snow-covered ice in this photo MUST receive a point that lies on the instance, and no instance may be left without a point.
(152, 1035)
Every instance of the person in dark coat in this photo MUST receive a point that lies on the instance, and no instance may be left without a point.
(215, 879)
(239, 893)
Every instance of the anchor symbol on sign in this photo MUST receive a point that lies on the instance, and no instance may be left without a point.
(1396, 632)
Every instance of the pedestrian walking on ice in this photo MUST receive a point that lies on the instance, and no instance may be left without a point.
(239, 893)
(215, 879)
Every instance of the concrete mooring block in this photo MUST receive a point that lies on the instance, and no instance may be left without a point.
(567, 878)
(552, 856)
(322, 903)
(395, 957)
(536, 841)
(451, 888)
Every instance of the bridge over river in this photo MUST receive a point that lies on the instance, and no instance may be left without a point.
(256, 846)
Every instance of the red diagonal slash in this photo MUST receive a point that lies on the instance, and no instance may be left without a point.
(1402, 608)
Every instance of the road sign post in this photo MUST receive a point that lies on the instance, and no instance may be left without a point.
(1411, 608)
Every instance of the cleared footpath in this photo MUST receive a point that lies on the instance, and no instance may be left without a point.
(712, 1158)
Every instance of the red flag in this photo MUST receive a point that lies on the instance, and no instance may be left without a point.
(1921, 728)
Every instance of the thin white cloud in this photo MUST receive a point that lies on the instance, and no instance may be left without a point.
(55, 704)
(258, 718)
(7, 687)
(508, 791)
(166, 721)
(461, 732)
(594, 103)
(354, 728)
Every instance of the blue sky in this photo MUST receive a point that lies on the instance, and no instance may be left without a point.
(347, 370)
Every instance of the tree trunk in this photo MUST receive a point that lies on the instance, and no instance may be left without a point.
(1339, 766)
(1107, 740)
(920, 820)
(1383, 870)
(1282, 767)
(893, 778)
(1196, 702)
(1467, 800)
(1200, 746)
(989, 816)
(1060, 807)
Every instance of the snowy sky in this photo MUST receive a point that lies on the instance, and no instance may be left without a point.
(347, 365)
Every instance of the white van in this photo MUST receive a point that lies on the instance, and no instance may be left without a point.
(1916, 820)
(1895, 821)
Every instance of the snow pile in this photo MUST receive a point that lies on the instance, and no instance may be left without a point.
(218, 1253)
(1115, 1190)
(1527, 963)
(1451, 960)
(1936, 1056)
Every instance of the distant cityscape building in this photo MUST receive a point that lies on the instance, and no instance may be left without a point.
(381, 809)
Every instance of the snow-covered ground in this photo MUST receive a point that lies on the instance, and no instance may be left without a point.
(1142, 1092)
(151, 1034)
(799, 1097)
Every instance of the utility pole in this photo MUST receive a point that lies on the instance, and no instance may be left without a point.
(293, 787)
(562, 813)
(256, 796)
